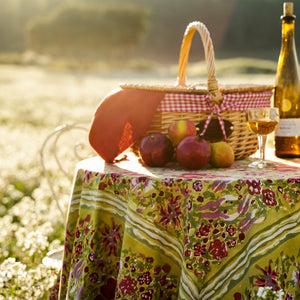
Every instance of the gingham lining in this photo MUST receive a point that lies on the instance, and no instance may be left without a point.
(180, 102)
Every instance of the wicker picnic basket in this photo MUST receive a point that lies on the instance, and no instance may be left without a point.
(204, 102)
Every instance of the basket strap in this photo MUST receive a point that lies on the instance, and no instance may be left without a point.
(212, 83)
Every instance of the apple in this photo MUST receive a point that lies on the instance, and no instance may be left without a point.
(193, 152)
(222, 155)
(156, 149)
(181, 129)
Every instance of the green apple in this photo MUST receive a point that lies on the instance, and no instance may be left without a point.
(222, 155)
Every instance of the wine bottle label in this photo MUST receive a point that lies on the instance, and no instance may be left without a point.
(288, 127)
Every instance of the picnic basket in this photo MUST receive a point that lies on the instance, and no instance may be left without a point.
(203, 102)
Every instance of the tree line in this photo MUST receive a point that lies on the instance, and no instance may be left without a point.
(142, 28)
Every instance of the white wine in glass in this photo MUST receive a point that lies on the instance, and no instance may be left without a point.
(262, 121)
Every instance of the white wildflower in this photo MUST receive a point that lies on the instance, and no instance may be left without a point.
(268, 293)
(25, 284)
(34, 241)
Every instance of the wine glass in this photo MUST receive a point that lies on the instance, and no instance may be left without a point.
(262, 121)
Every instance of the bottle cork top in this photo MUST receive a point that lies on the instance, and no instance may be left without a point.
(288, 8)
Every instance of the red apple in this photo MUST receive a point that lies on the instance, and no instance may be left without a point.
(156, 149)
(181, 129)
(193, 152)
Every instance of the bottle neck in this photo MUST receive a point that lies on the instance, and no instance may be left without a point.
(288, 29)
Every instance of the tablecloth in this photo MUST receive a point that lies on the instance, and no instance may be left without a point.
(135, 232)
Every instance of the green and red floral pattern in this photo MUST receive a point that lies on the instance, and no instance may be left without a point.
(167, 233)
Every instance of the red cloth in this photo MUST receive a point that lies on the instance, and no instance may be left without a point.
(121, 118)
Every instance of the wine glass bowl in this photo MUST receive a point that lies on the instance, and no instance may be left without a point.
(262, 121)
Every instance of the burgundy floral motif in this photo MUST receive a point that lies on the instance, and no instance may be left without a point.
(145, 278)
(147, 295)
(204, 230)
(217, 249)
(269, 197)
(77, 233)
(102, 186)
(128, 285)
(87, 218)
(136, 183)
(63, 279)
(186, 240)
(231, 243)
(253, 186)
(52, 296)
(149, 260)
(114, 177)
(166, 268)
(92, 256)
(87, 176)
(294, 180)
(171, 213)
(111, 237)
(198, 186)
(163, 281)
(86, 230)
(93, 277)
(185, 192)
(167, 181)
(199, 249)
(238, 187)
(78, 249)
(237, 296)
(189, 205)
(268, 279)
(231, 230)
(200, 199)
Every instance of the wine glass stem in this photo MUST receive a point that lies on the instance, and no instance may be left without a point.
(262, 145)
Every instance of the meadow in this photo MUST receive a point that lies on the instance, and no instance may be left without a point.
(34, 101)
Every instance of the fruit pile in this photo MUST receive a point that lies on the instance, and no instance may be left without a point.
(184, 144)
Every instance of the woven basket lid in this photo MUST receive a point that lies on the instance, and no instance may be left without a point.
(199, 89)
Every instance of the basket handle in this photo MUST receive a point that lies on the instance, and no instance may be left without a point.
(212, 83)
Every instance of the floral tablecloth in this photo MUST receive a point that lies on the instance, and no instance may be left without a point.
(167, 233)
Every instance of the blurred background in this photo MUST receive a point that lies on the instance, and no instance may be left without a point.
(141, 32)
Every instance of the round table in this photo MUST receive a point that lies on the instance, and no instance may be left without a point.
(135, 232)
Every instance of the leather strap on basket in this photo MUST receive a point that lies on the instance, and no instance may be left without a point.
(212, 83)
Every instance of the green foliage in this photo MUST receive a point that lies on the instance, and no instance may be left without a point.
(78, 30)
(14, 14)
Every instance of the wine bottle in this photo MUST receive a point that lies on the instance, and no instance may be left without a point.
(287, 90)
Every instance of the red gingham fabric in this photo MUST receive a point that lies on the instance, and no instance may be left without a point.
(181, 102)
(199, 103)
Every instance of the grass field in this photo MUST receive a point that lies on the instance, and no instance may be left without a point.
(34, 101)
